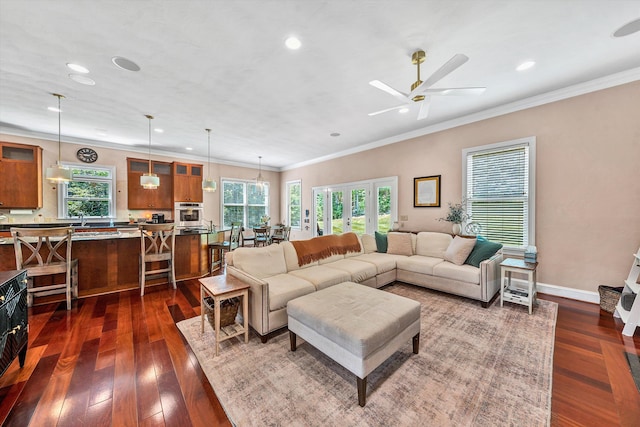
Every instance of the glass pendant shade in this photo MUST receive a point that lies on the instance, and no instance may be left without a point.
(58, 173)
(209, 185)
(259, 179)
(150, 181)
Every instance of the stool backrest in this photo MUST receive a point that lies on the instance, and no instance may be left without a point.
(157, 240)
(46, 249)
(234, 238)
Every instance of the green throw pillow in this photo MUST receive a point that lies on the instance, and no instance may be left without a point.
(483, 249)
(381, 242)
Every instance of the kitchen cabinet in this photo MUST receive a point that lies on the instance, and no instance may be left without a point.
(142, 198)
(187, 182)
(20, 176)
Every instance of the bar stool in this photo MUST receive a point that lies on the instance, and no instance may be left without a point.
(46, 252)
(157, 244)
(226, 245)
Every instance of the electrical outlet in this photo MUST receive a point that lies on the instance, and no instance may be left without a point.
(404, 217)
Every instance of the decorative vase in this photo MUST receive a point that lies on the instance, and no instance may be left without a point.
(395, 226)
(456, 229)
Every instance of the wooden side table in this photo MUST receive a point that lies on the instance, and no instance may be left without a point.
(220, 288)
(516, 296)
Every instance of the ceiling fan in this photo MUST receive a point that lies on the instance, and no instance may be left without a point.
(421, 90)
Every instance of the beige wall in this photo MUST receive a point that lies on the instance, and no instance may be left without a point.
(587, 180)
(117, 158)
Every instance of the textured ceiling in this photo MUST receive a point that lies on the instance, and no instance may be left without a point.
(223, 65)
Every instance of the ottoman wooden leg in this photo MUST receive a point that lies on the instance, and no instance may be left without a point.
(292, 340)
(416, 343)
(362, 390)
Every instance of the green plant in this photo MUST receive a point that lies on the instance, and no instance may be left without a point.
(457, 213)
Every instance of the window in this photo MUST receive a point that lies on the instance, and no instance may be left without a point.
(499, 187)
(294, 204)
(244, 201)
(90, 193)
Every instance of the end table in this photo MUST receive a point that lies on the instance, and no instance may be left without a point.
(517, 296)
(220, 288)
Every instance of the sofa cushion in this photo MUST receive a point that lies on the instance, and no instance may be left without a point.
(330, 259)
(356, 253)
(260, 262)
(432, 244)
(383, 262)
(381, 242)
(463, 273)
(322, 276)
(399, 244)
(291, 257)
(419, 264)
(483, 250)
(368, 243)
(459, 249)
(359, 270)
(285, 287)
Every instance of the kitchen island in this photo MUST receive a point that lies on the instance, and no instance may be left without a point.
(108, 257)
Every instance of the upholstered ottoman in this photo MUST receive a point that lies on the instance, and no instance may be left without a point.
(357, 326)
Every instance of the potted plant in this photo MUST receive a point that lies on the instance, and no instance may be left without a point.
(457, 215)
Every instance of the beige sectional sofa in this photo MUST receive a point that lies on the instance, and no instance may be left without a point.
(276, 275)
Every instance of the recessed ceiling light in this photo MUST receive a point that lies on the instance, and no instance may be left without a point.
(158, 130)
(79, 78)
(334, 134)
(626, 29)
(77, 68)
(525, 65)
(125, 64)
(188, 148)
(55, 109)
(403, 110)
(293, 43)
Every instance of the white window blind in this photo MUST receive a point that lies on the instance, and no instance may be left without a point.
(498, 192)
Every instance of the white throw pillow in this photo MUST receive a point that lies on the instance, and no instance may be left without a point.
(459, 250)
(399, 244)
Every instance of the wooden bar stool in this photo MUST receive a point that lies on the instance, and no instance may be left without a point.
(225, 245)
(157, 244)
(46, 252)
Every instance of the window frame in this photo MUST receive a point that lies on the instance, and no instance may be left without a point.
(245, 202)
(529, 142)
(63, 211)
(289, 186)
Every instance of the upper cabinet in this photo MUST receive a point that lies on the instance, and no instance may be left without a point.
(187, 182)
(20, 176)
(142, 198)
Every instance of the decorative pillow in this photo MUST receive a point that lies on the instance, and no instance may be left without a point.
(381, 242)
(459, 250)
(484, 249)
(399, 244)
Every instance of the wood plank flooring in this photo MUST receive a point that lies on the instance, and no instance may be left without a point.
(119, 360)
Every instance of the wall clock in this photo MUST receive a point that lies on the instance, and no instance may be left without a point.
(87, 155)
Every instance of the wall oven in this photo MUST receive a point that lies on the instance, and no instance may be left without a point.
(189, 215)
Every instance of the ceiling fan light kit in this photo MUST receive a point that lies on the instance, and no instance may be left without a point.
(421, 90)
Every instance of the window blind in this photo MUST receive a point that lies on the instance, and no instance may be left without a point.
(498, 193)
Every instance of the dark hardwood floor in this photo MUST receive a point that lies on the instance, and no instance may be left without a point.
(119, 360)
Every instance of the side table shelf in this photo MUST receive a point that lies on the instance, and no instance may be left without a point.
(526, 297)
(631, 318)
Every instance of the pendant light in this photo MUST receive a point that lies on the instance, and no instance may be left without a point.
(57, 172)
(149, 180)
(259, 179)
(209, 185)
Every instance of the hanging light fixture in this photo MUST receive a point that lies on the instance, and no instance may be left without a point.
(259, 179)
(209, 185)
(149, 180)
(57, 172)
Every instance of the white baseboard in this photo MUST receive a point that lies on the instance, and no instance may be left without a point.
(561, 291)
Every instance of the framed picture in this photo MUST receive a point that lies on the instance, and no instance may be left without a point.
(426, 192)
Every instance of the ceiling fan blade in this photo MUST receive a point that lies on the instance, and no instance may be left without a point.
(450, 66)
(391, 91)
(453, 91)
(424, 108)
(375, 113)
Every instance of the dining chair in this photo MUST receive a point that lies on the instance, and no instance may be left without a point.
(247, 240)
(225, 246)
(46, 252)
(282, 235)
(262, 236)
(157, 245)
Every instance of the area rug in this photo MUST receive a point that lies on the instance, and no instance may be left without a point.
(476, 367)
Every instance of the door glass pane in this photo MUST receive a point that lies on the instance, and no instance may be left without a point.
(320, 214)
(337, 206)
(384, 209)
(181, 169)
(358, 210)
(162, 168)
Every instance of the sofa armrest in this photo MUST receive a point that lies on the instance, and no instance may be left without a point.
(258, 299)
(490, 276)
